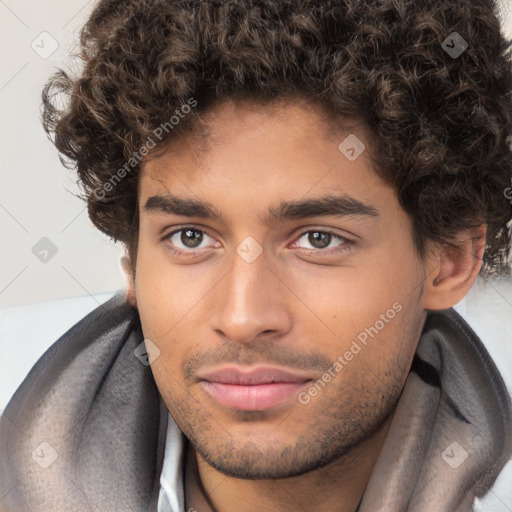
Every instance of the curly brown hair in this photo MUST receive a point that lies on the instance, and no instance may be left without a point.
(440, 123)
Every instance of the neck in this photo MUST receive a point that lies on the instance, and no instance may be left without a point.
(337, 486)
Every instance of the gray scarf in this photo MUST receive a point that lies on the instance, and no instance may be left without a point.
(86, 429)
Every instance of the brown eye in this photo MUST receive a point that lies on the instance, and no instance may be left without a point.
(319, 240)
(188, 240)
(191, 238)
(319, 243)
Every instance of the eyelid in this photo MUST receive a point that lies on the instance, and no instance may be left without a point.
(346, 242)
(327, 231)
(178, 229)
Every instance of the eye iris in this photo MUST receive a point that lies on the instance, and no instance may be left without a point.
(191, 237)
(319, 240)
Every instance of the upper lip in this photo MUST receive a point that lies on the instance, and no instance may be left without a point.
(251, 376)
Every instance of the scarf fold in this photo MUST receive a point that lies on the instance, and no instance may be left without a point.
(86, 429)
(450, 435)
(98, 409)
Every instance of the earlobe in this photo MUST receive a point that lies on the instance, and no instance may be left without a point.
(130, 287)
(453, 268)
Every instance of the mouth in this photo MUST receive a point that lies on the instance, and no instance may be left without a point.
(256, 389)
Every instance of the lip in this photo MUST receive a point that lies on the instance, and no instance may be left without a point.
(254, 389)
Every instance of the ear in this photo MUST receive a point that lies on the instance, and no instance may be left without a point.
(130, 288)
(452, 269)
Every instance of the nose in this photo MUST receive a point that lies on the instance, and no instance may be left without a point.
(251, 303)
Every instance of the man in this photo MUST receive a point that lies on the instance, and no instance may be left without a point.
(304, 189)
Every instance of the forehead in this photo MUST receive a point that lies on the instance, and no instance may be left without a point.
(264, 154)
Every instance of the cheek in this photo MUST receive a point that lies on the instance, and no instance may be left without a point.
(167, 293)
(341, 302)
(171, 299)
(369, 316)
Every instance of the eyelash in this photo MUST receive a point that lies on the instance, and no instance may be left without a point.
(346, 244)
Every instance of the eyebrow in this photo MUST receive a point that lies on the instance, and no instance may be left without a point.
(337, 206)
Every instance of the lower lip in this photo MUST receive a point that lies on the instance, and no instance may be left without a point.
(252, 398)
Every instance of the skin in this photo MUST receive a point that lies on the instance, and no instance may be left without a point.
(299, 305)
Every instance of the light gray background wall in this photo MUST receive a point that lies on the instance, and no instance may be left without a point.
(35, 202)
(35, 198)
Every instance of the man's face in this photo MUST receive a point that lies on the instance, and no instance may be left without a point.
(285, 333)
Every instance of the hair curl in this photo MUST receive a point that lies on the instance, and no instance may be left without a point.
(440, 126)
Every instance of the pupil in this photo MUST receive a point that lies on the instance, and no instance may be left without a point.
(319, 240)
(195, 237)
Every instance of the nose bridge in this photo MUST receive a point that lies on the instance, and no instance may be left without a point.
(250, 301)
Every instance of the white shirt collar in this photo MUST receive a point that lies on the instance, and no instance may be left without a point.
(172, 491)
